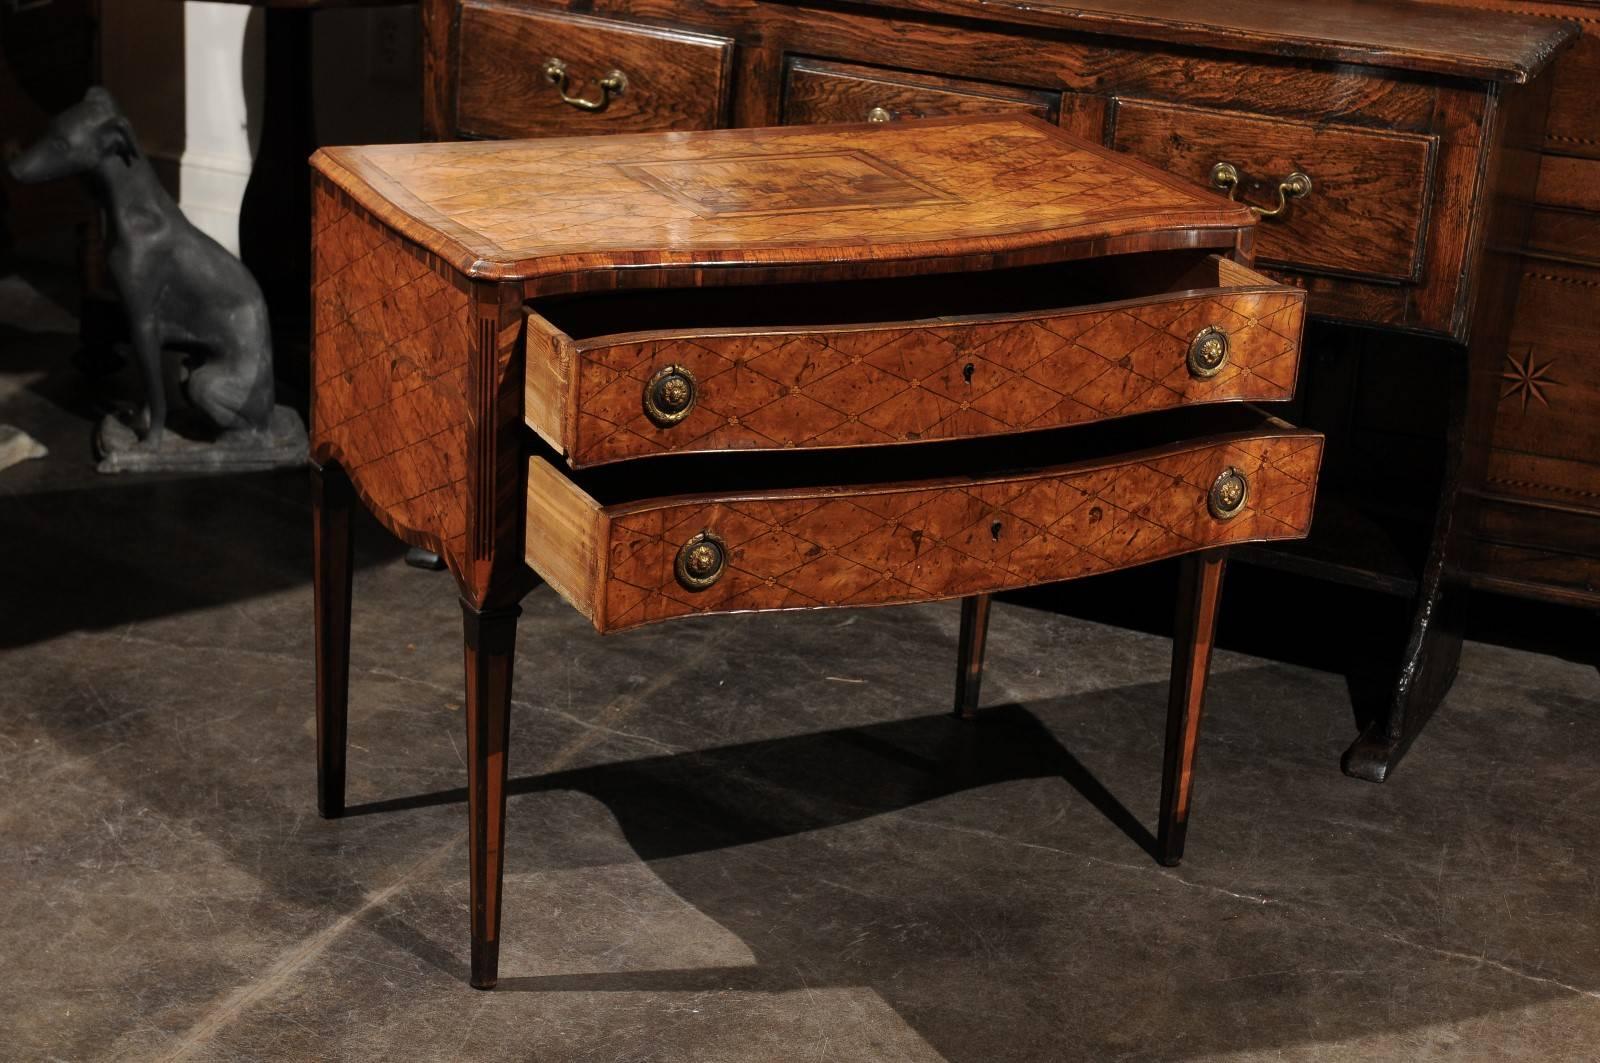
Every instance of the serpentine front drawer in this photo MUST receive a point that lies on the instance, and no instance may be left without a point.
(624, 549)
(1014, 350)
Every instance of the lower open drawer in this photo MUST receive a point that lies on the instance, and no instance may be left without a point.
(773, 532)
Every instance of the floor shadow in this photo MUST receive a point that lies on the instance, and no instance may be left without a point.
(1092, 959)
(667, 809)
(805, 901)
(98, 557)
(1348, 631)
(87, 551)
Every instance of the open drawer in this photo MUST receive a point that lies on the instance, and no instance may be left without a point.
(629, 374)
(628, 545)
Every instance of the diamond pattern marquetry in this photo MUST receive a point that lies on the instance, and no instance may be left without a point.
(531, 208)
(860, 386)
(392, 342)
(877, 547)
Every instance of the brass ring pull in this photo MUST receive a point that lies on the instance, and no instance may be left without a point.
(1208, 352)
(669, 396)
(701, 562)
(613, 84)
(1225, 177)
(880, 114)
(1228, 493)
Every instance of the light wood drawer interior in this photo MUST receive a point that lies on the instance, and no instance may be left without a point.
(1369, 195)
(669, 78)
(818, 90)
(646, 541)
(952, 357)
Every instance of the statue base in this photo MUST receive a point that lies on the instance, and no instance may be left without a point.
(282, 445)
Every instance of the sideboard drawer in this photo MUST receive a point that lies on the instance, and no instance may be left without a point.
(816, 90)
(624, 558)
(1365, 212)
(1013, 351)
(517, 64)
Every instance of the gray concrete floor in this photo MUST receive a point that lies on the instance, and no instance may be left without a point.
(746, 839)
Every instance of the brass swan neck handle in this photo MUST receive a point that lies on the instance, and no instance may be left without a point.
(1225, 177)
(614, 83)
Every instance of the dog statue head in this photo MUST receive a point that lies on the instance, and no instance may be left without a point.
(78, 140)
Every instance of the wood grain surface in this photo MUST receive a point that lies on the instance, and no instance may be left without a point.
(946, 378)
(392, 340)
(1370, 188)
(1420, 37)
(675, 79)
(801, 549)
(1539, 530)
(816, 91)
(795, 196)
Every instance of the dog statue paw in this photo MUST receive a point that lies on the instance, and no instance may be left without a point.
(182, 290)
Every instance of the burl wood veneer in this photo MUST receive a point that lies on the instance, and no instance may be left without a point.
(896, 327)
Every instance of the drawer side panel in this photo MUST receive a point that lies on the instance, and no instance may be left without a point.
(564, 531)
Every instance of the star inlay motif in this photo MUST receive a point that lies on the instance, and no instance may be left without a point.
(1524, 380)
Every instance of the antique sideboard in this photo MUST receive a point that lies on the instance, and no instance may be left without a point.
(1391, 148)
(1539, 532)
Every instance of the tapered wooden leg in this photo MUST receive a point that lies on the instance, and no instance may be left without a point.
(332, 499)
(969, 662)
(1199, 592)
(491, 638)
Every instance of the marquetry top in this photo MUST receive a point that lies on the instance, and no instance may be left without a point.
(799, 196)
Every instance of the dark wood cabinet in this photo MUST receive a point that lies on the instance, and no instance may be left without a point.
(527, 72)
(1393, 148)
(819, 90)
(1540, 530)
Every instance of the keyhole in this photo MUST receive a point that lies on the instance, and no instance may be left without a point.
(994, 531)
(967, 371)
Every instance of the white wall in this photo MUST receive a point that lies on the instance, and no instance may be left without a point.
(180, 73)
(222, 89)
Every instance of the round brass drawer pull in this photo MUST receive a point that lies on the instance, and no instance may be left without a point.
(701, 562)
(1228, 494)
(880, 114)
(614, 83)
(669, 396)
(1208, 352)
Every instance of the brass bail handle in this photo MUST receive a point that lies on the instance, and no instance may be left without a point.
(613, 84)
(1225, 177)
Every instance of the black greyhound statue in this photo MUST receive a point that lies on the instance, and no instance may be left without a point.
(181, 290)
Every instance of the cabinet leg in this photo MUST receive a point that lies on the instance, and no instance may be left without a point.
(332, 500)
(491, 638)
(1192, 638)
(969, 661)
(1432, 651)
